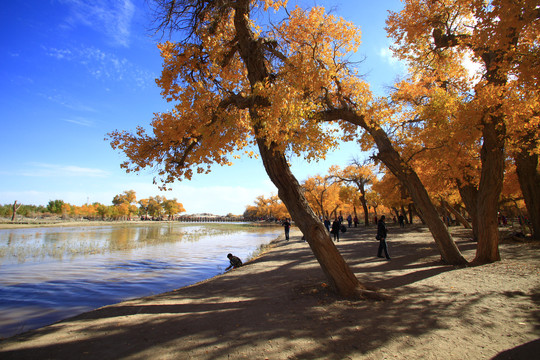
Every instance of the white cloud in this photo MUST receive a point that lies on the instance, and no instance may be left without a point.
(67, 102)
(80, 121)
(112, 18)
(387, 55)
(60, 54)
(55, 170)
(105, 65)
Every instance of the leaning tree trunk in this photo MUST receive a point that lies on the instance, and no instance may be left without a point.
(396, 211)
(415, 212)
(489, 190)
(457, 214)
(443, 212)
(338, 273)
(529, 181)
(332, 263)
(408, 177)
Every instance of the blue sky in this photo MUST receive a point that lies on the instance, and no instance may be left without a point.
(74, 70)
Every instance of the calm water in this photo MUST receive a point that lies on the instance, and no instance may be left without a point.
(47, 274)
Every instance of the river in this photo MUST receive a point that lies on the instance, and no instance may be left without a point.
(48, 274)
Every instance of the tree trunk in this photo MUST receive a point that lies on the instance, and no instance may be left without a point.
(332, 263)
(15, 208)
(338, 273)
(396, 211)
(408, 178)
(529, 180)
(469, 194)
(489, 190)
(410, 213)
(457, 214)
(365, 207)
(443, 213)
(418, 214)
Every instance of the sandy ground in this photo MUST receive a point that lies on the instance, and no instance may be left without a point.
(279, 307)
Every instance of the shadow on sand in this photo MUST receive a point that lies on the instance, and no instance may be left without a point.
(276, 307)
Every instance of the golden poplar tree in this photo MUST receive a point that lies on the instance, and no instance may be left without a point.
(234, 85)
(474, 85)
(361, 176)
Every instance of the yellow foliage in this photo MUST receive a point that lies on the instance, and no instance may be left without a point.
(269, 208)
(212, 96)
(472, 63)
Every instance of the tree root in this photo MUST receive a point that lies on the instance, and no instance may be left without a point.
(365, 293)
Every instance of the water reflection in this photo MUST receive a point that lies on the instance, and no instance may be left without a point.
(24, 245)
(47, 274)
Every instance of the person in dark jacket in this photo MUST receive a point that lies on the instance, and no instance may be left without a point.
(401, 220)
(336, 227)
(327, 224)
(235, 262)
(381, 236)
(287, 225)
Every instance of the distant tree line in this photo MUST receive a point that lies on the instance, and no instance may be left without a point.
(124, 207)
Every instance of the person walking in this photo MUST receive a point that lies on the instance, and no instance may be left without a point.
(327, 224)
(382, 231)
(336, 227)
(287, 225)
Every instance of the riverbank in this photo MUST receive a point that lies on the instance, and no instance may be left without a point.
(279, 307)
(62, 223)
(37, 223)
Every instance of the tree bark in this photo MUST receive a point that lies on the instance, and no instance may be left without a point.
(529, 180)
(410, 213)
(365, 207)
(489, 190)
(338, 273)
(469, 194)
(15, 208)
(418, 214)
(332, 263)
(457, 214)
(396, 211)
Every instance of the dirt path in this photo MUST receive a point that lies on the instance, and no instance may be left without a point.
(278, 307)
